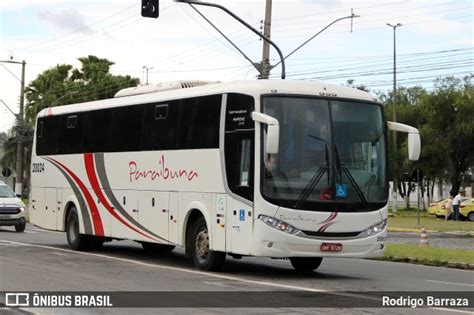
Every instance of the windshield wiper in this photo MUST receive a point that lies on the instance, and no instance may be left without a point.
(316, 177)
(343, 168)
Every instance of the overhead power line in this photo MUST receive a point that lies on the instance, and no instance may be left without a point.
(79, 29)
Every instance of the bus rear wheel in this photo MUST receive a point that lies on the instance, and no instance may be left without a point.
(203, 257)
(75, 240)
(306, 264)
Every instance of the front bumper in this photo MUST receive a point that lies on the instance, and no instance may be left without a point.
(270, 242)
(17, 219)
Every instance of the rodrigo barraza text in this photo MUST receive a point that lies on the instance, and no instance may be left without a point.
(414, 302)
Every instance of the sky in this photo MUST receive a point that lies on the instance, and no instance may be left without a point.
(435, 39)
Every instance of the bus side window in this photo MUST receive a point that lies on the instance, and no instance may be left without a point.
(47, 140)
(199, 120)
(160, 126)
(126, 128)
(96, 130)
(70, 135)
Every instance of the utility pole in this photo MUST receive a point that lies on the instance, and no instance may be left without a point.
(265, 67)
(19, 145)
(394, 101)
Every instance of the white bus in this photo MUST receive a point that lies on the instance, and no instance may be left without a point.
(281, 169)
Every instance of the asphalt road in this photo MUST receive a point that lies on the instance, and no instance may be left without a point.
(39, 260)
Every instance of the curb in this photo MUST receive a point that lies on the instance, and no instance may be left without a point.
(409, 230)
(435, 263)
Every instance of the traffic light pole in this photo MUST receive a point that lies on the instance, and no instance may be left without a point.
(282, 60)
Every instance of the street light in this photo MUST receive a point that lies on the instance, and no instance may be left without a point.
(394, 100)
(146, 71)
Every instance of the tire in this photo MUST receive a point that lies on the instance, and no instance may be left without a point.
(20, 227)
(157, 248)
(75, 240)
(470, 216)
(203, 257)
(306, 264)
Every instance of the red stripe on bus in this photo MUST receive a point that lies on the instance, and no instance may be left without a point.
(98, 228)
(332, 216)
(90, 169)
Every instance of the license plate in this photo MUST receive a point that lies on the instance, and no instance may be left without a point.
(331, 247)
(5, 217)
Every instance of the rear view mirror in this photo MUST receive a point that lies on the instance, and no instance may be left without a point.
(414, 141)
(414, 146)
(150, 8)
(273, 132)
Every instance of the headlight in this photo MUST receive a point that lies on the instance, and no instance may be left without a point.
(278, 224)
(375, 229)
(22, 209)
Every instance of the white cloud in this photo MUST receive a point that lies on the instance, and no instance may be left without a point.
(64, 19)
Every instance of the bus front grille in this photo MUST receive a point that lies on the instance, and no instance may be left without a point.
(332, 234)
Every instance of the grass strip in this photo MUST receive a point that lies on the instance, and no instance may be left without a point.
(434, 256)
(430, 223)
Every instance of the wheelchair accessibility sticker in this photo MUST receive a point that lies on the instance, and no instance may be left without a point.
(242, 215)
(341, 190)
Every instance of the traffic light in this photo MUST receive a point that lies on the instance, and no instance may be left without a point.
(150, 8)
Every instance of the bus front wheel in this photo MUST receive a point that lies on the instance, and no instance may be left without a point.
(306, 264)
(203, 257)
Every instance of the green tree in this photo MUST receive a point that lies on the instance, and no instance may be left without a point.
(362, 87)
(61, 85)
(408, 112)
(449, 111)
(64, 84)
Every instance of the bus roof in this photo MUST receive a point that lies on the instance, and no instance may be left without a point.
(250, 87)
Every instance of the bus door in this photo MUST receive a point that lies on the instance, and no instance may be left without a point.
(153, 212)
(50, 208)
(240, 216)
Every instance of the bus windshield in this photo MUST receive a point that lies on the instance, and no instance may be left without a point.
(332, 155)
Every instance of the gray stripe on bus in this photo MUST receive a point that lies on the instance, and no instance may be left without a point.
(82, 203)
(100, 167)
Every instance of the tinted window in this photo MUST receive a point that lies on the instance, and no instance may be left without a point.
(199, 120)
(47, 140)
(96, 130)
(126, 129)
(238, 112)
(160, 126)
(70, 136)
(239, 145)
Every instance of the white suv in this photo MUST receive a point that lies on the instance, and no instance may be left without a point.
(12, 209)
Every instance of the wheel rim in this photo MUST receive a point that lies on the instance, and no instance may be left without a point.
(73, 230)
(471, 217)
(202, 244)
